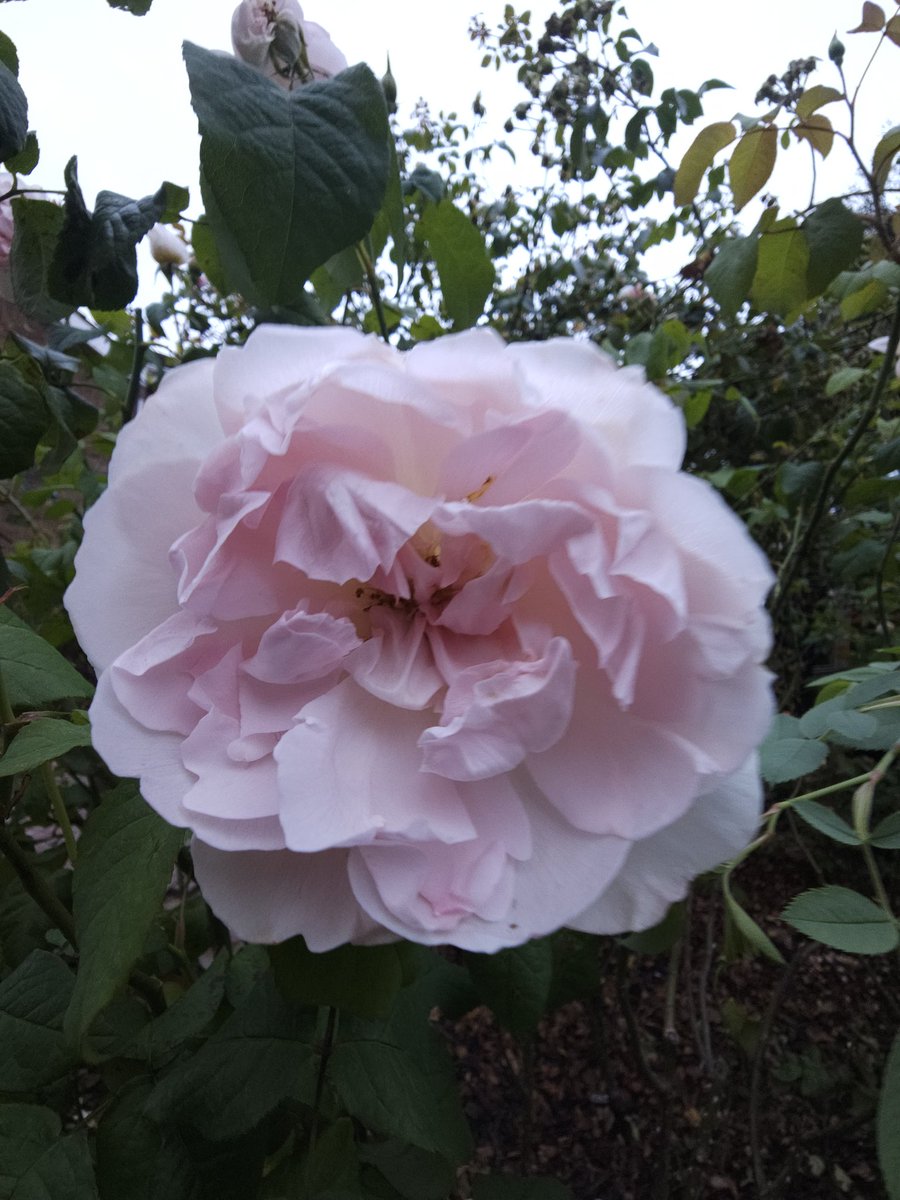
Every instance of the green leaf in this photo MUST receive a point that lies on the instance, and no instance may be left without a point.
(818, 131)
(125, 860)
(288, 178)
(176, 199)
(844, 919)
(33, 1000)
(843, 378)
(886, 834)
(36, 1162)
(729, 276)
(784, 758)
(188, 1017)
(699, 156)
(9, 56)
(358, 979)
(834, 235)
(872, 19)
(464, 266)
(24, 418)
(261, 1056)
(779, 285)
(416, 1174)
(504, 1187)
(95, 260)
(34, 673)
(331, 1171)
(13, 114)
(747, 928)
(888, 1122)
(827, 822)
(515, 983)
(751, 163)
(884, 155)
(28, 157)
(816, 97)
(41, 741)
(207, 255)
(669, 347)
(37, 225)
(866, 299)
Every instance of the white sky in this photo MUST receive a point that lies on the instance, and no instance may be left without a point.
(112, 88)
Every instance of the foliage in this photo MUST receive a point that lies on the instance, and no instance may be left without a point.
(142, 1054)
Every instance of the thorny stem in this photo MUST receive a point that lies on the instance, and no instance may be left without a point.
(797, 553)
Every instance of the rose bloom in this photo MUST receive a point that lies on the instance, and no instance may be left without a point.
(274, 37)
(167, 247)
(436, 644)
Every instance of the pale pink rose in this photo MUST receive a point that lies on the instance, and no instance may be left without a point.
(274, 37)
(437, 644)
(880, 345)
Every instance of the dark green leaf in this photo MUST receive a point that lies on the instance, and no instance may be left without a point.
(9, 56)
(729, 276)
(414, 1173)
(34, 673)
(36, 229)
(188, 1017)
(261, 1056)
(844, 919)
(888, 1122)
(36, 1163)
(515, 983)
(23, 420)
(463, 264)
(834, 235)
(358, 979)
(288, 178)
(827, 822)
(39, 742)
(204, 246)
(428, 182)
(33, 1050)
(95, 260)
(886, 834)
(125, 859)
(176, 199)
(331, 1171)
(13, 114)
(28, 157)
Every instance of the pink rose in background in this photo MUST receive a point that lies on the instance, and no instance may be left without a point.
(437, 644)
(274, 37)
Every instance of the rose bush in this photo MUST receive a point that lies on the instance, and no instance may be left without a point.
(438, 644)
(274, 37)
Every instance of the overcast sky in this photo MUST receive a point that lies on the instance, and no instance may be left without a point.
(112, 89)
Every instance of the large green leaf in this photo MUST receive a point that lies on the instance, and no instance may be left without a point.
(751, 163)
(13, 114)
(24, 418)
(36, 1162)
(33, 1049)
(358, 979)
(39, 742)
(464, 266)
(834, 235)
(188, 1017)
(34, 673)
(288, 178)
(779, 285)
(37, 225)
(515, 983)
(95, 259)
(844, 919)
(888, 1122)
(786, 754)
(729, 276)
(125, 860)
(261, 1056)
(699, 156)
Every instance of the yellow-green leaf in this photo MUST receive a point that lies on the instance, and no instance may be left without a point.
(751, 163)
(818, 131)
(702, 151)
(872, 19)
(816, 97)
(884, 155)
(779, 285)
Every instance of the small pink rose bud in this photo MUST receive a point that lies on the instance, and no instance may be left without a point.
(167, 248)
